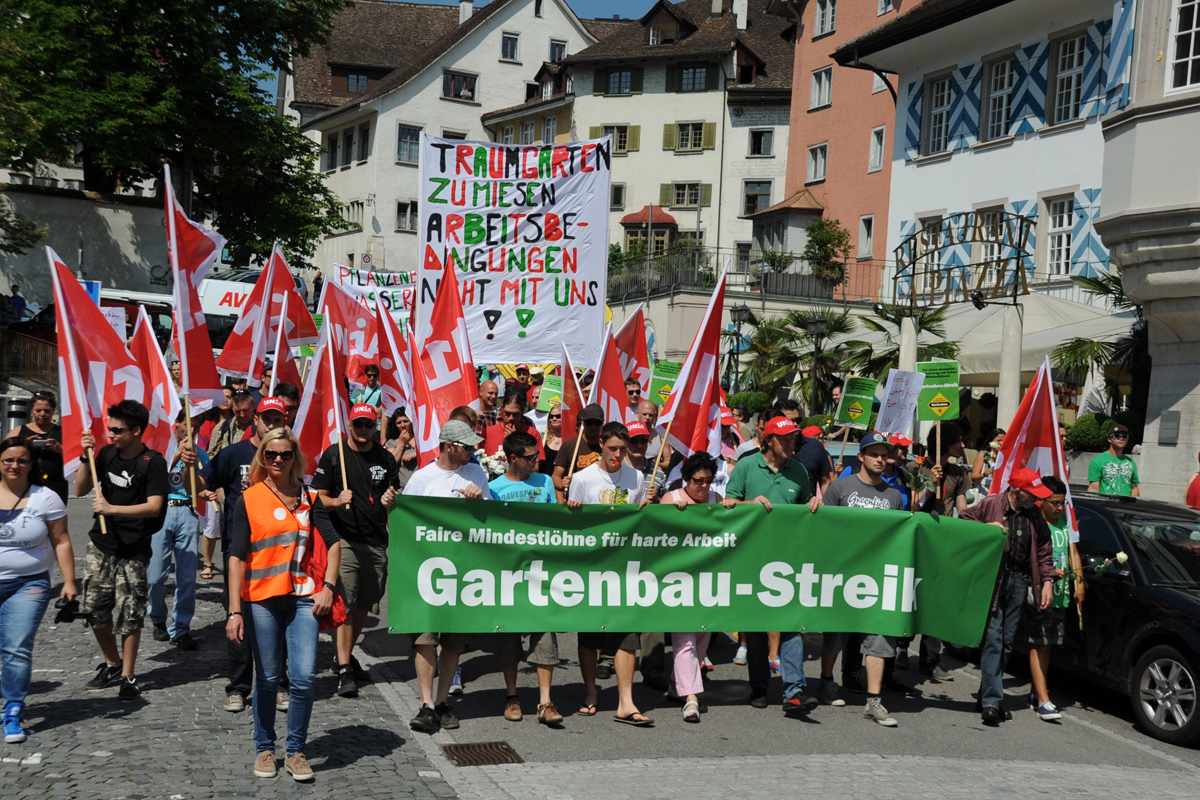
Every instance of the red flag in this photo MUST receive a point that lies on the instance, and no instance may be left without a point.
(1032, 440)
(193, 250)
(631, 347)
(93, 365)
(284, 370)
(354, 329)
(302, 329)
(572, 397)
(446, 351)
(324, 406)
(608, 389)
(395, 361)
(161, 398)
(246, 348)
(427, 422)
(693, 411)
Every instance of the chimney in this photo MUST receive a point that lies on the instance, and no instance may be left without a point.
(465, 9)
(717, 7)
(741, 10)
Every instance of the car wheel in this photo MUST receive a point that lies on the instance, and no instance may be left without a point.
(1164, 695)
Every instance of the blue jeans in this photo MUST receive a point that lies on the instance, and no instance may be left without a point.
(23, 603)
(791, 664)
(178, 539)
(278, 619)
(998, 637)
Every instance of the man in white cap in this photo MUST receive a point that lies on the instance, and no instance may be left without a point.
(451, 475)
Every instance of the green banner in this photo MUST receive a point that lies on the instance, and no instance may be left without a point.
(858, 397)
(662, 380)
(477, 566)
(939, 395)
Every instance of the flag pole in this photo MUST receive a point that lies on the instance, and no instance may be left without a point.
(938, 460)
(842, 453)
(279, 346)
(662, 447)
(329, 342)
(180, 331)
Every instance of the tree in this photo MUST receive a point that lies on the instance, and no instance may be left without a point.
(121, 85)
(827, 249)
(874, 360)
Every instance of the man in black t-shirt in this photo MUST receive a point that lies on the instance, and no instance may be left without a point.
(358, 509)
(132, 497)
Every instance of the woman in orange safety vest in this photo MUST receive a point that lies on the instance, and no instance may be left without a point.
(283, 566)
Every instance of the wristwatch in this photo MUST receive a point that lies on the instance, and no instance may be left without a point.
(330, 587)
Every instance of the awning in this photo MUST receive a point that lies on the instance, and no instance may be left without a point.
(644, 217)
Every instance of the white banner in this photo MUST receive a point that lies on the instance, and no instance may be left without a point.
(900, 402)
(526, 227)
(397, 290)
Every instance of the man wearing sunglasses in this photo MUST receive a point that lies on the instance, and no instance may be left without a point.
(1113, 472)
(372, 393)
(358, 510)
(590, 421)
(512, 419)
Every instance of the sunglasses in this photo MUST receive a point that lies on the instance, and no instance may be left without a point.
(593, 422)
(1118, 436)
(118, 431)
(555, 416)
(278, 455)
(529, 457)
(702, 481)
(363, 425)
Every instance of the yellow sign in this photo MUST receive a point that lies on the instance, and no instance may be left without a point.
(855, 410)
(939, 404)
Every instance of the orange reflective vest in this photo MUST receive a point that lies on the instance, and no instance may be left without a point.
(279, 538)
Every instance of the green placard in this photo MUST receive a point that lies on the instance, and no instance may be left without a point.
(939, 396)
(308, 350)
(464, 566)
(858, 397)
(662, 380)
(551, 392)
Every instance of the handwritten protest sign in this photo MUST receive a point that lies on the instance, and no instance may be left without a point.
(939, 393)
(398, 289)
(858, 397)
(526, 229)
(900, 401)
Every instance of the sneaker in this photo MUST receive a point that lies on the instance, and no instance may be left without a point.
(876, 712)
(13, 732)
(105, 676)
(426, 720)
(937, 673)
(361, 675)
(1048, 712)
(800, 704)
(184, 641)
(160, 632)
(604, 671)
(129, 689)
(512, 709)
(297, 764)
(446, 717)
(456, 686)
(758, 698)
(235, 702)
(264, 765)
(829, 693)
(706, 666)
(282, 701)
(740, 658)
(775, 666)
(346, 686)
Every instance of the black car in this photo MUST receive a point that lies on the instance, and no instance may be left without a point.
(1141, 619)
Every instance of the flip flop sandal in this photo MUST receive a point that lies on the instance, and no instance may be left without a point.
(629, 720)
(206, 574)
(587, 710)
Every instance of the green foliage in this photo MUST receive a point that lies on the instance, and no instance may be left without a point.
(18, 232)
(1087, 434)
(753, 402)
(827, 249)
(822, 421)
(129, 83)
(873, 361)
(780, 348)
(778, 262)
(616, 258)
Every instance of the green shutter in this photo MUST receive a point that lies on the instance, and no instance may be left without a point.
(706, 194)
(633, 138)
(712, 78)
(709, 140)
(599, 81)
(674, 78)
(666, 194)
(635, 81)
(595, 131)
(669, 136)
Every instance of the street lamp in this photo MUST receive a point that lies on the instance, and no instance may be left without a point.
(739, 314)
(816, 331)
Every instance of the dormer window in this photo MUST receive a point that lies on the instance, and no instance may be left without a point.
(547, 89)
(662, 32)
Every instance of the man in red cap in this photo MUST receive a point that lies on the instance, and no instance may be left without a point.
(1028, 562)
(358, 509)
(524, 377)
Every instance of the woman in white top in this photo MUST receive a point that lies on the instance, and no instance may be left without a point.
(33, 535)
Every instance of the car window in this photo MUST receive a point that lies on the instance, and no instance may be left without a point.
(1096, 535)
(1170, 548)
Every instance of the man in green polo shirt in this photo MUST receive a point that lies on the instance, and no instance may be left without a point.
(768, 477)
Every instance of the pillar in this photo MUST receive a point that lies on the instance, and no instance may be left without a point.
(1008, 397)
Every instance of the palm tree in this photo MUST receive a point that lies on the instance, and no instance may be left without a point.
(874, 360)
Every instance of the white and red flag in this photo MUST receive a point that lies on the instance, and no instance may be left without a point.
(608, 389)
(446, 351)
(284, 369)
(395, 361)
(1032, 440)
(161, 398)
(354, 329)
(693, 411)
(301, 328)
(193, 250)
(631, 346)
(427, 422)
(572, 397)
(324, 406)
(95, 370)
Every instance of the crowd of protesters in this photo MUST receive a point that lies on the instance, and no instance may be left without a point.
(300, 558)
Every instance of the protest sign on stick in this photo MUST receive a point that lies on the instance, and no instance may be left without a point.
(900, 396)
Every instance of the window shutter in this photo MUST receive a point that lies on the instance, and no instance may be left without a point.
(595, 131)
(599, 81)
(706, 194)
(635, 81)
(674, 78)
(712, 78)
(669, 136)
(666, 194)
(633, 138)
(709, 140)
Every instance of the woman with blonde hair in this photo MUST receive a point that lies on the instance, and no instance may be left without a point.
(283, 567)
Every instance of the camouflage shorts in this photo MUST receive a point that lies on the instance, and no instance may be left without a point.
(114, 588)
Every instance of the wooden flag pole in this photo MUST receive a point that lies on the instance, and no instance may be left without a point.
(939, 458)
(842, 453)
(91, 457)
(661, 447)
(187, 416)
(336, 421)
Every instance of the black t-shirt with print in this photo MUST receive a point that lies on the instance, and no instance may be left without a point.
(369, 475)
(130, 482)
